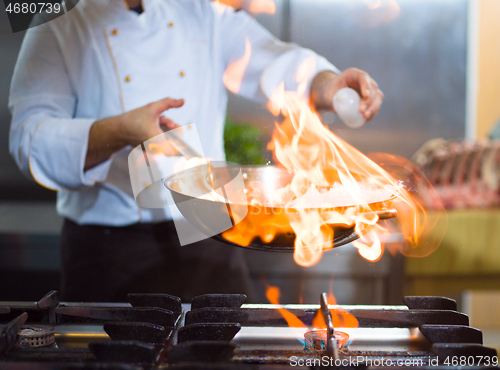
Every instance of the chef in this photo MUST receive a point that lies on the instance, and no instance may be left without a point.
(92, 84)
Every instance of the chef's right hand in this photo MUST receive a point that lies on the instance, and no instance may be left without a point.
(109, 135)
(141, 124)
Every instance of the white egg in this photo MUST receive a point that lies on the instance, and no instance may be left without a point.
(346, 103)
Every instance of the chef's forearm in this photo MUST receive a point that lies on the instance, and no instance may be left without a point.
(322, 90)
(104, 140)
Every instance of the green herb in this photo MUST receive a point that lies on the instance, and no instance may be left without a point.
(243, 143)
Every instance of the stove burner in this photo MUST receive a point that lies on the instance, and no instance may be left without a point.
(315, 340)
(36, 336)
(218, 332)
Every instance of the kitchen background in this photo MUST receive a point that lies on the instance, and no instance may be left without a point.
(437, 62)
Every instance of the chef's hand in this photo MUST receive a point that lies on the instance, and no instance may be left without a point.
(143, 123)
(327, 83)
(110, 135)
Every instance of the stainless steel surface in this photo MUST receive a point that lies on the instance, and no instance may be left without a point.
(363, 339)
(201, 213)
(79, 335)
(414, 49)
(312, 307)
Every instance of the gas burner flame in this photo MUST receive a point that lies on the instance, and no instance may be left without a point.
(273, 296)
(340, 317)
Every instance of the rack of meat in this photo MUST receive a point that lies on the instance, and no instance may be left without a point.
(464, 174)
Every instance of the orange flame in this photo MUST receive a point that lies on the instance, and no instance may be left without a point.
(370, 246)
(262, 6)
(319, 161)
(301, 298)
(340, 318)
(273, 296)
(335, 185)
(260, 221)
(236, 70)
(252, 6)
(237, 4)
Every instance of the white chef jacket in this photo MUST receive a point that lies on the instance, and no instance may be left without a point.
(102, 59)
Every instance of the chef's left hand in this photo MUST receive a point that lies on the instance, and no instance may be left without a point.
(327, 83)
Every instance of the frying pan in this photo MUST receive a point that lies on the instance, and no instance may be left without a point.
(206, 214)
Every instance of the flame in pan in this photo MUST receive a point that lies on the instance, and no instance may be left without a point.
(334, 184)
(326, 171)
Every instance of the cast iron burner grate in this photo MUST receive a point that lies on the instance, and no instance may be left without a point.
(155, 331)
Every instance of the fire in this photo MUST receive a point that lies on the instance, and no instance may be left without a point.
(235, 71)
(320, 162)
(369, 246)
(262, 6)
(334, 185)
(252, 6)
(261, 221)
(273, 296)
(237, 4)
(340, 318)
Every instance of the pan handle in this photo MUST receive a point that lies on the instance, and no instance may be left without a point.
(386, 214)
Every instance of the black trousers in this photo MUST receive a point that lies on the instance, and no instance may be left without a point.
(104, 264)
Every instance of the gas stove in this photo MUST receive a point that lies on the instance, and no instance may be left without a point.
(214, 331)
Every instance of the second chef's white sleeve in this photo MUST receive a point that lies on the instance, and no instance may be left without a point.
(46, 141)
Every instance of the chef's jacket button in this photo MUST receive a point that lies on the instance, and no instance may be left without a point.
(114, 32)
(171, 24)
(182, 73)
(128, 79)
